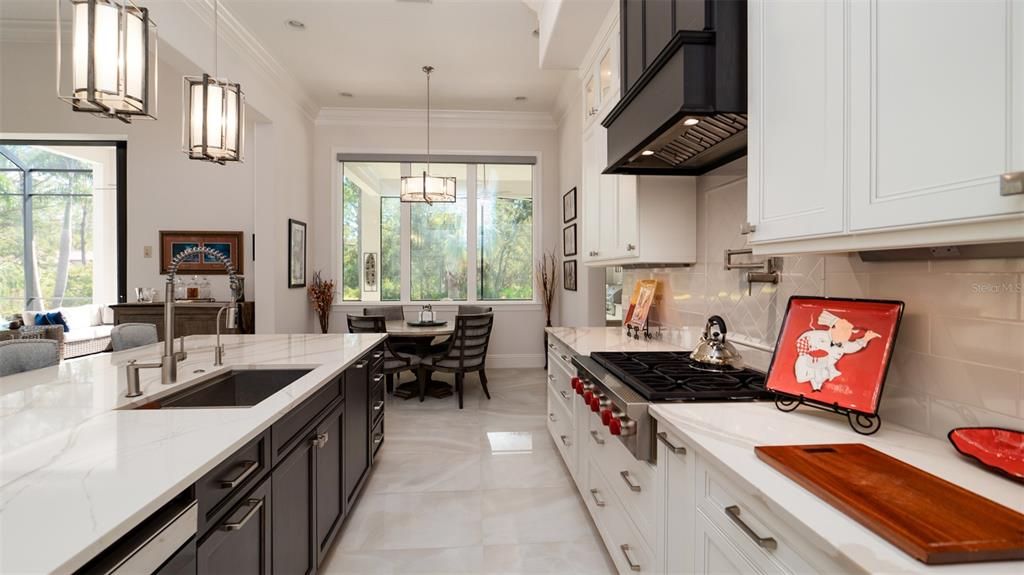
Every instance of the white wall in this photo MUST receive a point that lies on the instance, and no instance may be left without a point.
(518, 334)
(167, 191)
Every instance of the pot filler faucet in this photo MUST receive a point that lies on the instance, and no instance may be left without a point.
(169, 361)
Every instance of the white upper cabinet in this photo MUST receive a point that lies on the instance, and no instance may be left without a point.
(879, 124)
(600, 72)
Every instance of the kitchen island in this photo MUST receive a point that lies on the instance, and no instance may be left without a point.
(79, 467)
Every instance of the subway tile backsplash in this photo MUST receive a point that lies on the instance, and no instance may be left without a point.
(959, 358)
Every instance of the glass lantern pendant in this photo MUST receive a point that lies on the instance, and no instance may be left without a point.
(427, 188)
(109, 66)
(214, 119)
(213, 114)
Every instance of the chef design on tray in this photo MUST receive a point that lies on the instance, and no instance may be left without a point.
(820, 348)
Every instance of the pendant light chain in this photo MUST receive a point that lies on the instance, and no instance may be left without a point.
(216, 39)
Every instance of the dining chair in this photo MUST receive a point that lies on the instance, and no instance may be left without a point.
(20, 355)
(474, 309)
(129, 335)
(466, 353)
(395, 362)
(390, 312)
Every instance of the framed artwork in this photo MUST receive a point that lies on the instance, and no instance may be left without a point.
(370, 271)
(569, 275)
(569, 241)
(569, 206)
(835, 352)
(296, 254)
(173, 243)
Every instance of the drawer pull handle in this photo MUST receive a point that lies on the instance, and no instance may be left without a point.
(564, 394)
(768, 543)
(551, 377)
(597, 500)
(565, 358)
(663, 437)
(378, 406)
(378, 354)
(250, 467)
(627, 552)
(361, 365)
(378, 438)
(254, 506)
(565, 440)
(597, 437)
(551, 345)
(552, 417)
(629, 481)
(320, 440)
(378, 378)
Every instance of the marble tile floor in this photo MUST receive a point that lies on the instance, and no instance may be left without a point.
(481, 490)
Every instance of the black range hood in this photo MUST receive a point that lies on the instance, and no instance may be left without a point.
(686, 114)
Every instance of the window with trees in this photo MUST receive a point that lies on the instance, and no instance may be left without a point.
(424, 253)
(58, 228)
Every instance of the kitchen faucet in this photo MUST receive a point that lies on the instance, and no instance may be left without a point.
(169, 361)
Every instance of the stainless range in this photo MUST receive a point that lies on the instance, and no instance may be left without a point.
(619, 387)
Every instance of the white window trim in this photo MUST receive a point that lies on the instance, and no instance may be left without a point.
(471, 225)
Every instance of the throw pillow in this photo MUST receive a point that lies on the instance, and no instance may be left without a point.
(52, 318)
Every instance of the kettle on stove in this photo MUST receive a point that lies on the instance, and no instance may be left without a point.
(713, 351)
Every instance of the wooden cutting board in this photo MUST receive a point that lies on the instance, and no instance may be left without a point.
(931, 519)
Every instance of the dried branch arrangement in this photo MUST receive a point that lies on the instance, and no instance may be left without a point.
(547, 281)
(321, 295)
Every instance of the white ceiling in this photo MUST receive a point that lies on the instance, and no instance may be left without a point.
(484, 51)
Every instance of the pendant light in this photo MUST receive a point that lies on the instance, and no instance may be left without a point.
(213, 114)
(109, 66)
(427, 188)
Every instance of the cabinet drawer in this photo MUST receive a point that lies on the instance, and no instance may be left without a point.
(240, 541)
(376, 358)
(560, 382)
(751, 527)
(625, 545)
(377, 437)
(632, 481)
(560, 425)
(222, 485)
(290, 429)
(561, 354)
(377, 402)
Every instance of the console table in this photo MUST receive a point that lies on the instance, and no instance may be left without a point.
(198, 318)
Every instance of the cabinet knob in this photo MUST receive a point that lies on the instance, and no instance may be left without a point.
(747, 228)
(1011, 184)
(630, 248)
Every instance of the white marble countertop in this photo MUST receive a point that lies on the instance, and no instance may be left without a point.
(77, 471)
(727, 435)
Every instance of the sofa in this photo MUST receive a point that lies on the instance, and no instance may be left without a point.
(89, 328)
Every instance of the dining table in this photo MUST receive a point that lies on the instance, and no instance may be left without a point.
(422, 337)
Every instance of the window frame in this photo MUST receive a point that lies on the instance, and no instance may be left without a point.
(121, 193)
(471, 160)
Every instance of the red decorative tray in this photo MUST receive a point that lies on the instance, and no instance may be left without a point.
(994, 447)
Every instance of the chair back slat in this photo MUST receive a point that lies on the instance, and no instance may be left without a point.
(469, 340)
(366, 324)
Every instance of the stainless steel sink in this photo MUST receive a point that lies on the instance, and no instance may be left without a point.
(236, 388)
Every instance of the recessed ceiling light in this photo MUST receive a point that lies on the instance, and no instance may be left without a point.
(296, 24)
(345, 94)
(647, 153)
(520, 98)
(691, 122)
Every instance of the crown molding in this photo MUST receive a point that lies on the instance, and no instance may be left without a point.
(413, 118)
(249, 48)
(27, 31)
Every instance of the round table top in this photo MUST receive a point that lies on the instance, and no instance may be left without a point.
(401, 328)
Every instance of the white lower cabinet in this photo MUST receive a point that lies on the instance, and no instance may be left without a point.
(627, 547)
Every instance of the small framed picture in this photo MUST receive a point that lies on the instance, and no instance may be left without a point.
(296, 254)
(569, 273)
(569, 206)
(173, 243)
(569, 241)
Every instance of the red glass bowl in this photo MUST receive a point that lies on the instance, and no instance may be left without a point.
(994, 447)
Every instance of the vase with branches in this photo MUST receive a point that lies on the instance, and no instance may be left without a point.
(321, 296)
(547, 281)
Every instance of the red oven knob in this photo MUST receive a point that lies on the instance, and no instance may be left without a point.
(615, 426)
(606, 416)
(576, 383)
(598, 403)
(588, 396)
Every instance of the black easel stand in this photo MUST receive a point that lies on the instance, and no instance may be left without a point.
(862, 423)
